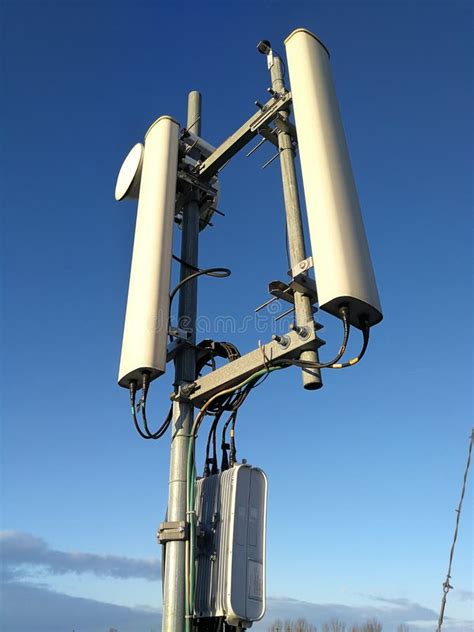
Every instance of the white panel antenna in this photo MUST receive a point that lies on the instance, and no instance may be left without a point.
(343, 268)
(147, 317)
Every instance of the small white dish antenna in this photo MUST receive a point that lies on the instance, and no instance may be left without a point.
(128, 179)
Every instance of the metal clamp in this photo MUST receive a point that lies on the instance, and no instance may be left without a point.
(270, 110)
(301, 282)
(305, 285)
(286, 126)
(178, 332)
(173, 532)
(286, 291)
(180, 337)
(302, 266)
(183, 392)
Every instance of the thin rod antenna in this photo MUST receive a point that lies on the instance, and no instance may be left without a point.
(271, 300)
(288, 311)
(257, 146)
(269, 162)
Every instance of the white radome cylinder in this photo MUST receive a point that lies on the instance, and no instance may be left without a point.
(341, 258)
(146, 321)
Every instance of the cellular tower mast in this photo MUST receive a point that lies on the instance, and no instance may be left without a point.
(213, 536)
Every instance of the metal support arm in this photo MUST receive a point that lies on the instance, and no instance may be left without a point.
(243, 135)
(289, 345)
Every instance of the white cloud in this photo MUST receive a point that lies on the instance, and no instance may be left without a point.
(50, 611)
(22, 551)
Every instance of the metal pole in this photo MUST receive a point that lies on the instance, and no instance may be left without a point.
(297, 252)
(185, 368)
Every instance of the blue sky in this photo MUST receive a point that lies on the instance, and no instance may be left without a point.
(365, 474)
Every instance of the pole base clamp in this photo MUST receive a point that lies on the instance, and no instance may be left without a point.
(173, 531)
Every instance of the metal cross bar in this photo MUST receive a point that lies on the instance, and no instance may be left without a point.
(242, 136)
(235, 372)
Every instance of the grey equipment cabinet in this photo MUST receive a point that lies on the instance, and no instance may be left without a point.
(230, 557)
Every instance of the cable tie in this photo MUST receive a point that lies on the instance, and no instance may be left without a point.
(265, 359)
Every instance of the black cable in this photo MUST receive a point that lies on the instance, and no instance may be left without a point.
(224, 444)
(185, 263)
(214, 468)
(233, 405)
(165, 425)
(229, 462)
(358, 358)
(221, 404)
(232, 352)
(219, 273)
(212, 437)
(224, 350)
(142, 402)
(225, 458)
(231, 401)
(237, 399)
(344, 312)
(260, 380)
(225, 463)
(146, 433)
(233, 449)
(214, 349)
(133, 391)
(311, 365)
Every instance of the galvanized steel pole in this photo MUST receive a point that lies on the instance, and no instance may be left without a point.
(297, 252)
(185, 373)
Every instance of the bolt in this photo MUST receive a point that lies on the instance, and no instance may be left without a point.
(301, 331)
(187, 389)
(284, 341)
